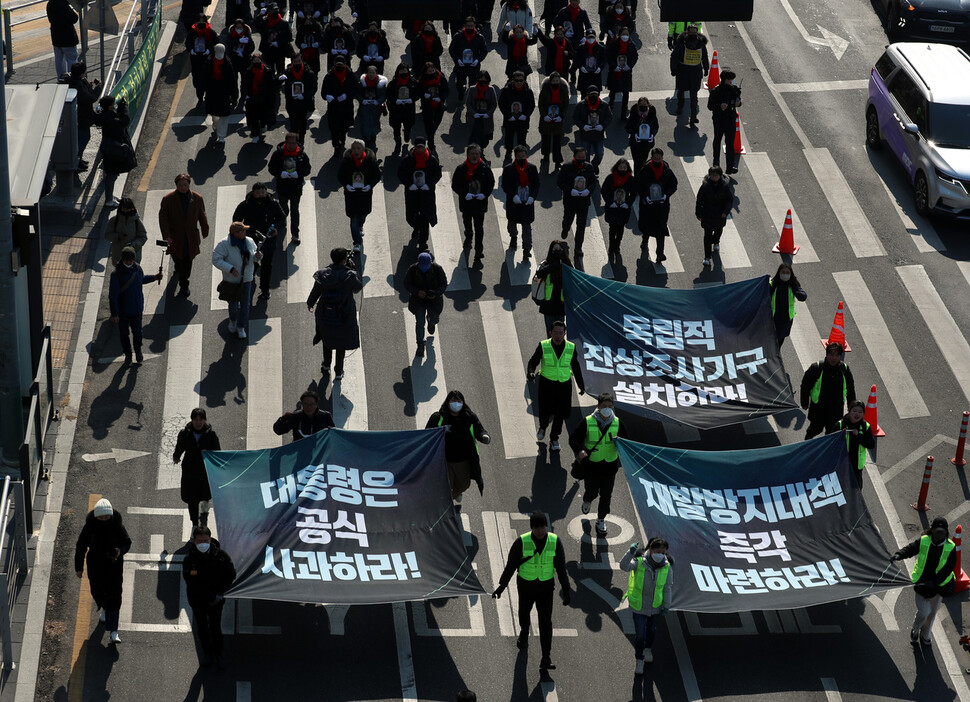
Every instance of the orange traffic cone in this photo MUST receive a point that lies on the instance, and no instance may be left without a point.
(738, 146)
(962, 581)
(872, 415)
(787, 245)
(837, 335)
(714, 75)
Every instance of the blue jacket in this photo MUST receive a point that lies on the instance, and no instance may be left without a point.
(129, 302)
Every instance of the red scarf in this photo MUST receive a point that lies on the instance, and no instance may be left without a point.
(202, 30)
(368, 82)
(555, 95)
(623, 45)
(359, 163)
(217, 68)
(470, 169)
(469, 36)
(559, 61)
(481, 91)
(574, 13)
(421, 160)
(291, 154)
(240, 33)
(341, 75)
(432, 81)
(297, 74)
(590, 48)
(523, 172)
(273, 21)
(577, 165)
(591, 106)
(620, 180)
(518, 47)
(657, 170)
(257, 78)
(428, 42)
(404, 80)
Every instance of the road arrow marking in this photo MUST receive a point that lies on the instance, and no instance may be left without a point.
(119, 455)
(833, 41)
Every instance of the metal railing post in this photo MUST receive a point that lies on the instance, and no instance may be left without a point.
(8, 41)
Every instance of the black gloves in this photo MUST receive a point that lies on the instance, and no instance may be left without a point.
(566, 598)
(497, 595)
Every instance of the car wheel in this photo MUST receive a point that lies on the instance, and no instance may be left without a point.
(873, 138)
(892, 22)
(921, 193)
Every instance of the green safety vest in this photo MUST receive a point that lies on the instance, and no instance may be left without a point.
(606, 451)
(675, 28)
(634, 586)
(924, 548)
(538, 566)
(817, 389)
(861, 458)
(791, 301)
(441, 420)
(549, 289)
(553, 367)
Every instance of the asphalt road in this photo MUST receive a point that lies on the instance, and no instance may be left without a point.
(904, 281)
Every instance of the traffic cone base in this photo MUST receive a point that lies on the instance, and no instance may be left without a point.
(713, 75)
(786, 244)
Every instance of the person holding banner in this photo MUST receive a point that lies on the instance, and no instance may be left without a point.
(649, 592)
(593, 442)
(933, 579)
(307, 420)
(826, 387)
(559, 364)
(784, 291)
(858, 436)
(196, 437)
(208, 572)
(537, 555)
(464, 432)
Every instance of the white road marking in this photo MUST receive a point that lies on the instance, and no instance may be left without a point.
(889, 362)
(777, 202)
(264, 391)
(732, 253)
(378, 267)
(804, 337)
(822, 86)
(244, 691)
(227, 198)
(595, 260)
(832, 693)
(446, 239)
(182, 378)
(496, 564)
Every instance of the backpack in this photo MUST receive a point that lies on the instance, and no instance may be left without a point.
(332, 305)
(538, 290)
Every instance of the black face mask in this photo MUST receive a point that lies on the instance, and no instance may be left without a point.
(580, 162)
(483, 83)
(428, 32)
(520, 161)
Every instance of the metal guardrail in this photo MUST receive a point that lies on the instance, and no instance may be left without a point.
(13, 560)
(33, 462)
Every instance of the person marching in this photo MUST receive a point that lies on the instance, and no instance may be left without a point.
(426, 283)
(618, 194)
(339, 88)
(208, 572)
(591, 115)
(655, 184)
(689, 64)
(260, 93)
(593, 442)
(553, 103)
(299, 84)
(537, 555)
(308, 420)
(621, 57)
(553, 305)
(642, 126)
(648, 590)
(723, 103)
(520, 183)
(372, 96)
(559, 52)
(196, 437)
(103, 543)
(826, 387)
(473, 183)
(558, 364)
(124, 229)
(183, 224)
(236, 257)
(400, 104)
(712, 207)
(200, 42)
(467, 49)
(221, 91)
(419, 172)
(434, 91)
(576, 179)
(333, 293)
(126, 298)
(517, 102)
(858, 436)
(518, 40)
(290, 166)
(263, 213)
(358, 173)
(480, 105)
(464, 431)
(784, 291)
(933, 579)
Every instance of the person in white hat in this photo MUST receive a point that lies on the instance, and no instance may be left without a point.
(105, 542)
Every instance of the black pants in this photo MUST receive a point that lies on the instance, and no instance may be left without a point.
(290, 202)
(600, 478)
(183, 268)
(474, 222)
(725, 131)
(431, 118)
(552, 143)
(465, 78)
(406, 120)
(515, 134)
(526, 234)
(816, 427)
(328, 357)
(270, 245)
(208, 625)
(557, 422)
(298, 123)
(616, 236)
(579, 213)
(124, 325)
(259, 117)
(712, 235)
(538, 593)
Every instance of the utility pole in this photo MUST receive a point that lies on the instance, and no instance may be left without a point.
(11, 403)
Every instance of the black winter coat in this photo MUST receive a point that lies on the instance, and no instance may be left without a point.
(207, 574)
(115, 139)
(460, 443)
(307, 81)
(359, 202)
(86, 98)
(221, 94)
(831, 405)
(302, 426)
(567, 182)
(98, 540)
(460, 183)
(62, 18)
(340, 113)
(345, 283)
(289, 186)
(633, 122)
(613, 212)
(552, 51)
(509, 95)
(434, 281)
(420, 56)
(713, 201)
(654, 215)
(195, 482)
(260, 213)
(519, 213)
(620, 81)
(432, 174)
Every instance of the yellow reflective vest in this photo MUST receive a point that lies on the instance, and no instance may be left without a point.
(634, 586)
(924, 549)
(539, 566)
(554, 367)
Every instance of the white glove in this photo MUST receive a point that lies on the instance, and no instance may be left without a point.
(516, 199)
(378, 58)
(574, 192)
(369, 102)
(341, 98)
(272, 43)
(350, 188)
(474, 62)
(425, 187)
(481, 115)
(523, 118)
(427, 96)
(315, 45)
(557, 119)
(207, 52)
(283, 77)
(243, 40)
(285, 174)
(412, 187)
(625, 206)
(530, 200)
(626, 68)
(329, 98)
(547, 118)
(584, 193)
(480, 196)
(436, 99)
(470, 196)
(598, 127)
(365, 188)
(587, 127)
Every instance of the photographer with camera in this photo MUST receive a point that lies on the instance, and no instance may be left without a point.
(263, 214)
(649, 592)
(336, 310)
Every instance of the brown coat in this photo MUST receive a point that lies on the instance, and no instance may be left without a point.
(180, 228)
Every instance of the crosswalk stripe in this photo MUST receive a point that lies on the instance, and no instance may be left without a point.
(804, 337)
(673, 263)
(349, 394)
(227, 197)
(520, 271)
(151, 255)
(378, 268)
(862, 237)
(446, 239)
(265, 387)
(595, 260)
(919, 228)
(428, 388)
(182, 378)
(302, 261)
(777, 203)
(944, 329)
(732, 251)
(654, 96)
(889, 362)
(964, 267)
(508, 376)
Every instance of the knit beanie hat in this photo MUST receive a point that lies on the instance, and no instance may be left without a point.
(103, 508)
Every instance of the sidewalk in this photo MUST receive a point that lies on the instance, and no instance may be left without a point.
(75, 253)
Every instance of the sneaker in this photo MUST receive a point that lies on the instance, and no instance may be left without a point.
(717, 247)
(648, 655)
(431, 328)
(232, 326)
(102, 617)
(707, 262)
(264, 295)
(241, 332)
(731, 171)
(554, 445)
(661, 258)
(546, 664)
(115, 639)
(523, 641)
(255, 140)
(541, 434)
(184, 291)
(913, 636)
(419, 352)
(639, 668)
(586, 506)
(221, 140)
(339, 375)
(296, 241)
(925, 642)
(127, 361)
(458, 500)
(112, 203)
(526, 254)
(139, 357)
(601, 527)
(324, 369)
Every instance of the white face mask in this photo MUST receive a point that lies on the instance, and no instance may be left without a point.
(624, 37)
(590, 40)
(203, 548)
(129, 265)
(455, 406)
(606, 412)
(785, 277)
(657, 557)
